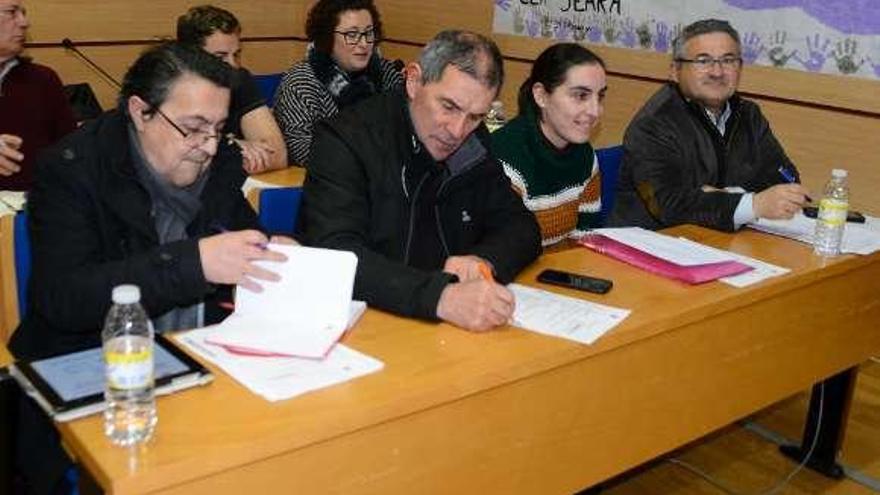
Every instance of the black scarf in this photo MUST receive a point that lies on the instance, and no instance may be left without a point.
(347, 88)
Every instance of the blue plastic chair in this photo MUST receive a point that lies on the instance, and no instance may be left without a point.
(22, 248)
(268, 84)
(279, 208)
(609, 167)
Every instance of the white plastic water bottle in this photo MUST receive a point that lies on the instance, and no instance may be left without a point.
(831, 219)
(130, 417)
(495, 117)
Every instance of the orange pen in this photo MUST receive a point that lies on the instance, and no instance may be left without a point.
(486, 272)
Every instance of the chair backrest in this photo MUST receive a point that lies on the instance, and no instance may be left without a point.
(279, 208)
(268, 84)
(609, 167)
(15, 270)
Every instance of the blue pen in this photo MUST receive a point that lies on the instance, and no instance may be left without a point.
(791, 179)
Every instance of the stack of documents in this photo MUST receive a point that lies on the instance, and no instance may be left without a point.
(277, 378)
(553, 314)
(857, 238)
(282, 342)
(664, 255)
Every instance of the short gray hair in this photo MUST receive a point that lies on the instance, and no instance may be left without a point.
(472, 53)
(701, 27)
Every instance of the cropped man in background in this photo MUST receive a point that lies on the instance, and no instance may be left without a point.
(34, 111)
(250, 123)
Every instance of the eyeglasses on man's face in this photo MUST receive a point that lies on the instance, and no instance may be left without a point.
(705, 63)
(193, 137)
(13, 12)
(354, 36)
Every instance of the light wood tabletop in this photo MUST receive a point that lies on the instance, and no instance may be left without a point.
(511, 411)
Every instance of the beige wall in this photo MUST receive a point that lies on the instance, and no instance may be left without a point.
(823, 121)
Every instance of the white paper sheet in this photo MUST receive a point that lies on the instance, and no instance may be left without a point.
(664, 246)
(279, 378)
(304, 313)
(761, 270)
(553, 314)
(11, 202)
(857, 238)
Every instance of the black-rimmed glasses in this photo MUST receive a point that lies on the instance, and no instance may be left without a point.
(727, 62)
(195, 138)
(354, 36)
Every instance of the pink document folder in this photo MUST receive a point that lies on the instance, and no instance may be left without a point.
(694, 274)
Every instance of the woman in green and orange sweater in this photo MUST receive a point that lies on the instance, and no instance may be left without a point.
(546, 151)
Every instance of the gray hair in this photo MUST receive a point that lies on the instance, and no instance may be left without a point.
(472, 53)
(704, 26)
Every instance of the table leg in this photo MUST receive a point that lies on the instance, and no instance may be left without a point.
(834, 410)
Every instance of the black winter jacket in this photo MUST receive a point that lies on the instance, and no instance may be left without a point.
(91, 229)
(355, 199)
(672, 149)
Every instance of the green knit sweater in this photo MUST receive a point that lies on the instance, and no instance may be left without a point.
(562, 187)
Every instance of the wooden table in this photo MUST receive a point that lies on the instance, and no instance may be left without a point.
(516, 412)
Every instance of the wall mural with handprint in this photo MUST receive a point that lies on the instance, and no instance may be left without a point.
(839, 37)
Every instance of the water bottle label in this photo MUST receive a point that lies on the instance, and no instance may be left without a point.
(832, 211)
(130, 370)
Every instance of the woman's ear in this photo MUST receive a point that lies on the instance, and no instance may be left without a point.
(539, 94)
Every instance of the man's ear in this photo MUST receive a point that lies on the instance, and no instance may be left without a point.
(137, 109)
(674, 67)
(413, 78)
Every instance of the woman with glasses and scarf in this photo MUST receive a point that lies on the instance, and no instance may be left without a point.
(342, 66)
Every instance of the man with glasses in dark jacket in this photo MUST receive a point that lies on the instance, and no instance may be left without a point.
(699, 153)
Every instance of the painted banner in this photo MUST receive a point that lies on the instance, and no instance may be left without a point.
(839, 37)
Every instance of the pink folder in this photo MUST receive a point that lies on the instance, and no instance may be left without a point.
(695, 274)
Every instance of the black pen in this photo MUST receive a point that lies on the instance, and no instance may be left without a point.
(219, 228)
(791, 179)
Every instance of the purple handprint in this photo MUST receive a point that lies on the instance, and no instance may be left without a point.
(532, 24)
(752, 47)
(594, 33)
(628, 33)
(562, 29)
(661, 41)
(776, 53)
(546, 24)
(816, 55)
(503, 4)
(580, 28)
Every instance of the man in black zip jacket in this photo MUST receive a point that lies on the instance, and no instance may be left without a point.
(408, 183)
(699, 153)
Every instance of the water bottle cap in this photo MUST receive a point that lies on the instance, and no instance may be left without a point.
(126, 294)
(838, 173)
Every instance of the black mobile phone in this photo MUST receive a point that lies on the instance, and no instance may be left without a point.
(575, 281)
(851, 216)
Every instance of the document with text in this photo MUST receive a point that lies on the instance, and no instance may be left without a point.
(857, 238)
(571, 318)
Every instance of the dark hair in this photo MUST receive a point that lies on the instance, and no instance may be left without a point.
(550, 68)
(324, 17)
(200, 22)
(704, 26)
(155, 70)
(473, 54)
